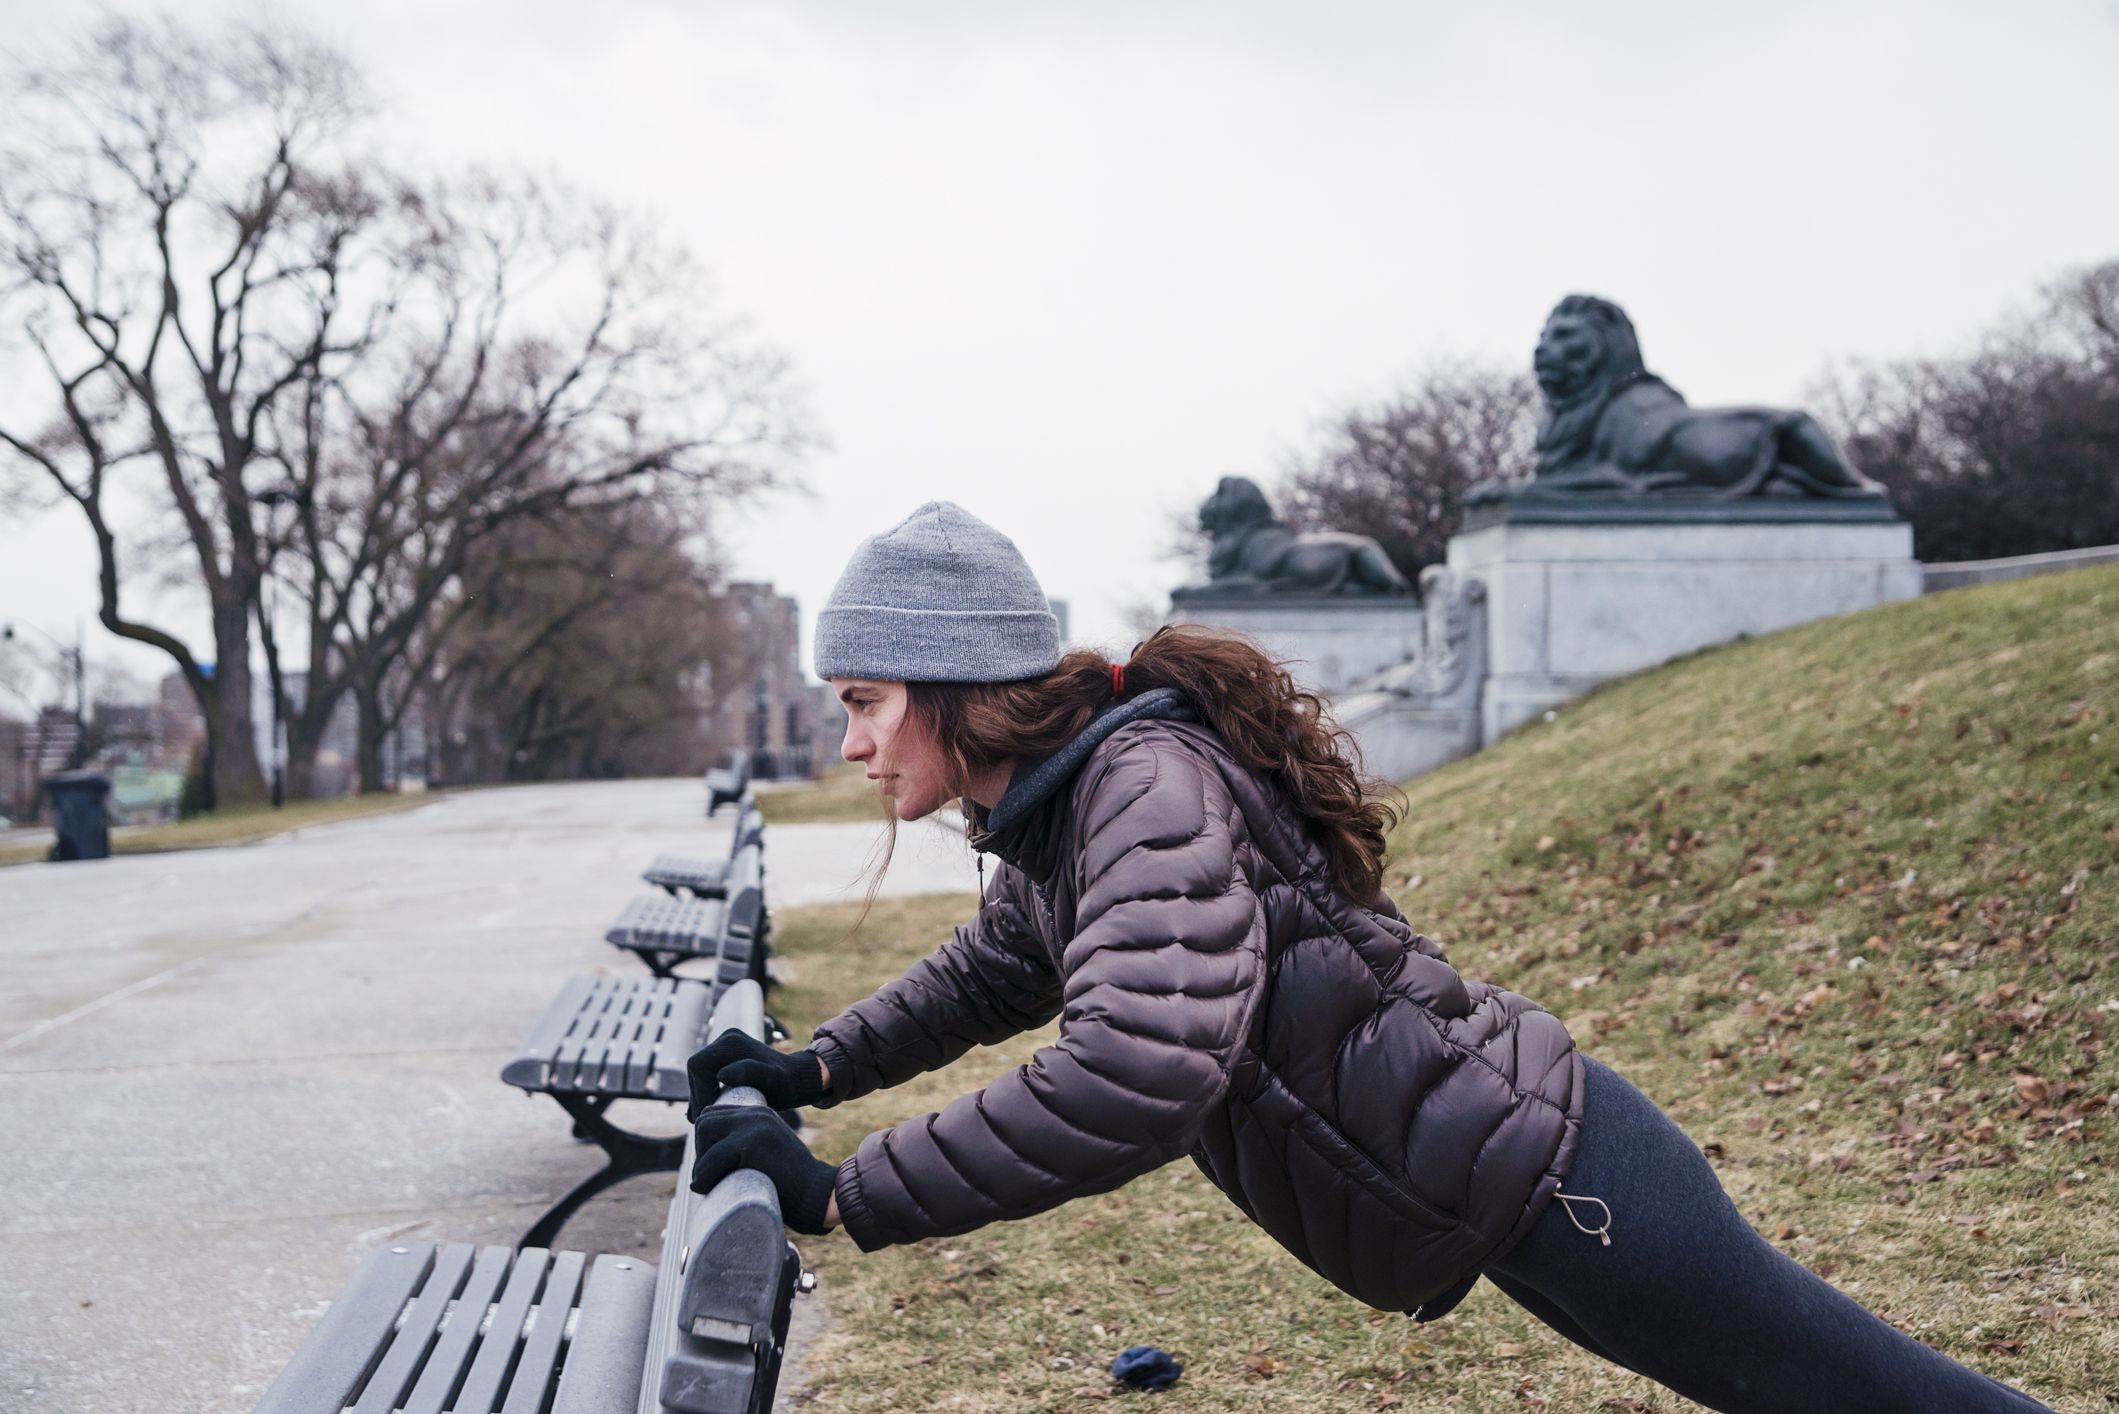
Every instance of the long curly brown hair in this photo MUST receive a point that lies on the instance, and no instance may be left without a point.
(1271, 724)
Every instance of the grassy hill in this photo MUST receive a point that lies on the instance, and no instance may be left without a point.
(1842, 899)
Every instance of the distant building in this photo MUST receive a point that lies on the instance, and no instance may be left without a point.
(127, 731)
(53, 739)
(180, 732)
(1059, 611)
(767, 706)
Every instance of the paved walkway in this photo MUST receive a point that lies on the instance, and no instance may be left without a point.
(226, 1075)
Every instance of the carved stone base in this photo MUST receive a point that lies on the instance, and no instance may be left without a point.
(1528, 509)
(1571, 605)
(1329, 641)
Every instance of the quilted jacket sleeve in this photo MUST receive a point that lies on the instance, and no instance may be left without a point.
(1161, 976)
(990, 981)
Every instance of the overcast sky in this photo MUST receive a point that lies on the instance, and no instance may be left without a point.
(1069, 263)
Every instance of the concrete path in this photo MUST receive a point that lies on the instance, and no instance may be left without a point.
(227, 1075)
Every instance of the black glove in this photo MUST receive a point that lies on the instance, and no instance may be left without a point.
(746, 1137)
(733, 1059)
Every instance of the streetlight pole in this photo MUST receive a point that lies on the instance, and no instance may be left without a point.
(80, 753)
(272, 499)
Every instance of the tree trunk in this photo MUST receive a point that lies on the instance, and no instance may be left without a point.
(237, 778)
(368, 698)
(303, 743)
(307, 726)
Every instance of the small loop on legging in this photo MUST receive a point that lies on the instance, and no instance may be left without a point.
(1602, 1232)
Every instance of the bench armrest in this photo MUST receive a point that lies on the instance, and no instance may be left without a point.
(727, 1277)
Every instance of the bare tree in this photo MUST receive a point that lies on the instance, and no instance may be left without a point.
(180, 246)
(566, 359)
(1399, 471)
(2010, 449)
(583, 643)
(324, 374)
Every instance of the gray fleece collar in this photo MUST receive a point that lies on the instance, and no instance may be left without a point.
(1035, 781)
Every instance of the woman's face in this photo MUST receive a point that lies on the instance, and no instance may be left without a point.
(909, 769)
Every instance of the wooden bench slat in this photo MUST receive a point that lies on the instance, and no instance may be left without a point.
(532, 1069)
(547, 1328)
(351, 1337)
(566, 1061)
(683, 1031)
(607, 1031)
(609, 1349)
(630, 1067)
(416, 1332)
(460, 1334)
(496, 1354)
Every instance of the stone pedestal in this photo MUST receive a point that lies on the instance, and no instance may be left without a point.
(1329, 641)
(1572, 603)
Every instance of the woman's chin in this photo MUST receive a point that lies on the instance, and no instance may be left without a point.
(909, 807)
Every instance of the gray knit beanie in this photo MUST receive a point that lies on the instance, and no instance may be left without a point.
(940, 597)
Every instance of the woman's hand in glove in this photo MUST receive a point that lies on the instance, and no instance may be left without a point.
(747, 1137)
(733, 1058)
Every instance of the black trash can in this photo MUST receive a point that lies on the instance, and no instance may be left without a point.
(80, 802)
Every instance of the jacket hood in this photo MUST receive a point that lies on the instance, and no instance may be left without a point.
(1008, 830)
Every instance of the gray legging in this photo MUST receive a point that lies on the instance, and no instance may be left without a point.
(1689, 1295)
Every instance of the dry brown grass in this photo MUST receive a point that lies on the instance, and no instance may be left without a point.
(218, 828)
(843, 792)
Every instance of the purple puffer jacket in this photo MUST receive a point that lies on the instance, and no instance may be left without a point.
(1391, 1124)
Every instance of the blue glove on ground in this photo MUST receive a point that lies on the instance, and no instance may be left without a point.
(1145, 1367)
(733, 1059)
(745, 1137)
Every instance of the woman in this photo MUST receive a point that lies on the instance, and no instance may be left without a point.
(1190, 880)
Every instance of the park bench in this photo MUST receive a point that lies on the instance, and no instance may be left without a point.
(426, 1329)
(667, 930)
(605, 1039)
(702, 877)
(730, 783)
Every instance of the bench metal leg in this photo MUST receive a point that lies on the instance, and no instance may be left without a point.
(627, 1154)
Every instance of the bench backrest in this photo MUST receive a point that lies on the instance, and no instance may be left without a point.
(662, 920)
(727, 1276)
(746, 893)
(614, 1035)
(750, 830)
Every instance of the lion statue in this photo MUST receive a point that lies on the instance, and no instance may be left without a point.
(1613, 428)
(1253, 552)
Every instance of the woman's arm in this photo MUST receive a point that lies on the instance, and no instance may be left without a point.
(990, 981)
(1162, 975)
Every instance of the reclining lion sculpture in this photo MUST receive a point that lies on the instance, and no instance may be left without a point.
(1254, 552)
(1612, 428)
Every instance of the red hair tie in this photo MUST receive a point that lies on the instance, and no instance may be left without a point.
(1118, 679)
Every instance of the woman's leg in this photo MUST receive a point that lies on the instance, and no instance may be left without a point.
(1551, 1315)
(1691, 1296)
